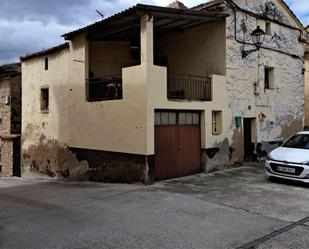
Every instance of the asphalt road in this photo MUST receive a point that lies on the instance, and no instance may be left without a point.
(236, 208)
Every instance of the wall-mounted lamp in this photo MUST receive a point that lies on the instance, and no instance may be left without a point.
(258, 36)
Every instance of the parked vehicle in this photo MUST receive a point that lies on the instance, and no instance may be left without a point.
(291, 160)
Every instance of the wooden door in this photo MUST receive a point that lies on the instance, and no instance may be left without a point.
(177, 144)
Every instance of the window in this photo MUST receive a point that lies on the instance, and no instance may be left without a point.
(165, 118)
(268, 28)
(173, 118)
(44, 99)
(299, 141)
(216, 122)
(269, 78)
(46, 63)
(189, 118)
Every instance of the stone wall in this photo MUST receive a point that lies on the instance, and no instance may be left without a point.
(6, 157)
(283, 105)
(277, 113)
(10, 116)
(5, 108)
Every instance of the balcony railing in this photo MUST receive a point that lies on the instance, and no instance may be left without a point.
(104, 88)
(189, 87)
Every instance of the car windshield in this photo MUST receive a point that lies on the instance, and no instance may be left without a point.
(299, 141)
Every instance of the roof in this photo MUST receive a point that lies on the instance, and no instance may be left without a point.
(9, 70)
(45, 52)
(132, 15)
(213, 2)
(177, 5)
(205, 5)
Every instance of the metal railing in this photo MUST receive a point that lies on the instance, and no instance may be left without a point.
(104, 88)
(189, 87)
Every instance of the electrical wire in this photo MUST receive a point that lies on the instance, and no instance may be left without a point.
(236, 8)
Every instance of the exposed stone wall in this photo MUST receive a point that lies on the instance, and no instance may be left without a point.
(6, 157)
(283, 106)
(53, 158)
(10, 119)
(5, 108)
(278, 112)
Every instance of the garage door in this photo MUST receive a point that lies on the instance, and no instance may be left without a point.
(177, 144)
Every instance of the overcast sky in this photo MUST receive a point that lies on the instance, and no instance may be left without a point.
(32, 25)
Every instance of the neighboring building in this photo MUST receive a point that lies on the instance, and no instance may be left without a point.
(307, 83)
(10, 119)
(154, 93)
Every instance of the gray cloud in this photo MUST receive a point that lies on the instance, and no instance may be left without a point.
(32, 25)
(37, 25)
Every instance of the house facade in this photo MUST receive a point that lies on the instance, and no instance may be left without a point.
(10, 119)
(154, 93)
(307, 82)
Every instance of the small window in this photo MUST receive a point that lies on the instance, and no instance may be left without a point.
(165, 118)
(173, 118)
(46, 64)
(269, 78)
(189, 118)
(44, 99)
(268, 28)
(216, 122)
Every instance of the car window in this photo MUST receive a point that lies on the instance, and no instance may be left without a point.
(299, 141)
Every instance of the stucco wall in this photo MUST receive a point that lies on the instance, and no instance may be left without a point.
(117, 125)
(196, 51)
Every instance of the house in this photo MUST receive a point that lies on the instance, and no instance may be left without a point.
(153, 93)
(10, 119)
(307, 83)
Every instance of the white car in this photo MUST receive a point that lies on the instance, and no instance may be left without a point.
(291, 160)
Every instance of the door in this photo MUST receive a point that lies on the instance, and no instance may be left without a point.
(248, 144)
(177, 144)
(16, 157)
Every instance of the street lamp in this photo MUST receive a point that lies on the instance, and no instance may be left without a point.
(258, 36)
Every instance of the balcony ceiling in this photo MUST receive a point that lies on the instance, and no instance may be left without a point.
(127, 23)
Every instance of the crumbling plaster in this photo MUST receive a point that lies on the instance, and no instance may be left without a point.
(282, 105)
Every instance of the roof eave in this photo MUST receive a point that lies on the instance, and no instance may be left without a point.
(139, 10)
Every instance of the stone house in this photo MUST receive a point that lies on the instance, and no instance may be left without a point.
(10, 119)
(307, 82)
(154, 93)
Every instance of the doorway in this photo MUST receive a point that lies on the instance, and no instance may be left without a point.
(249, 145)
(177, 144)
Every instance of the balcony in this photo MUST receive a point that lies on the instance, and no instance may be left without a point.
(104, 88)
(189, 87)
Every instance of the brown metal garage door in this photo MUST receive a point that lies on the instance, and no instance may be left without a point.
(177, 144)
